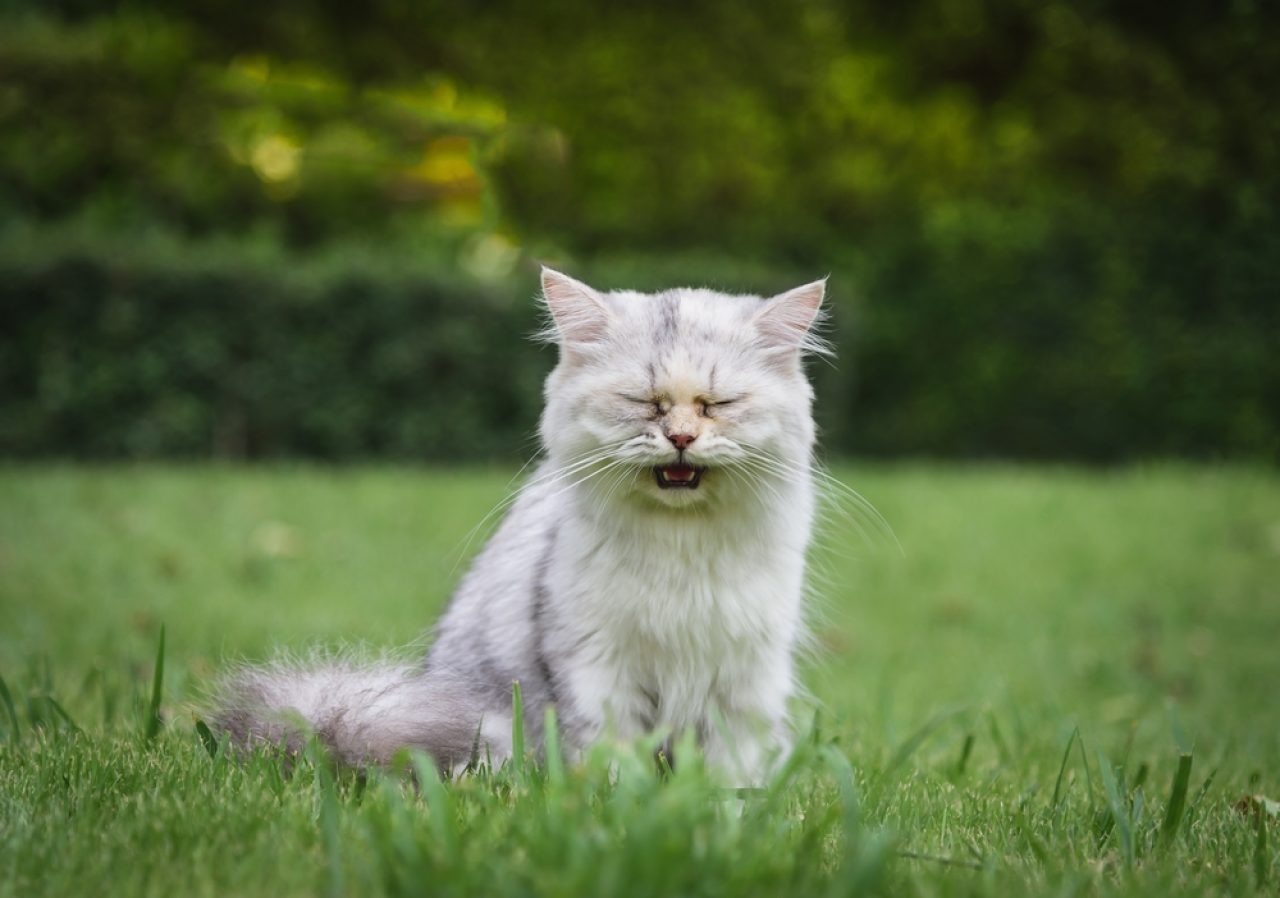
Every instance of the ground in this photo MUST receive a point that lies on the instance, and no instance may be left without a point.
(997, 708)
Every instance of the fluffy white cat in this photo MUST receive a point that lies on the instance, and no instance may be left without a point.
(649, 576)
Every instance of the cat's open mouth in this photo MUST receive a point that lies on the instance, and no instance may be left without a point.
(678, 476)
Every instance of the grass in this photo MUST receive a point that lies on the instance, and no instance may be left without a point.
(1066, 685)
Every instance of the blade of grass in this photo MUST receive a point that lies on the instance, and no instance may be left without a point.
(153, 722)
(1203, 790)
(62, 713)
(997, 736)
(330, 824)
(1084, 759)
(1139, 778)
(1038, 847)
(517, 730)
(1177, 800)
(1119, 813)
(866, 852)
(11, 711)
(551, 747)
(1062, 768)
(965, 751)
(842, 772)
(209, 740)
(1138, 807)
(37, 712)
(440, 813)
(1261, 857)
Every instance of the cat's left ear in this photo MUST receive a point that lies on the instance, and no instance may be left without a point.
(578, 311)
(786, 321)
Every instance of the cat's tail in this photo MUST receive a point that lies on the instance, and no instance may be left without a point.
(362, 713)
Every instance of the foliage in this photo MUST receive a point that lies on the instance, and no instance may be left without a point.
(191, 351)
(986, 728)
(150, 347)
(1053, 228)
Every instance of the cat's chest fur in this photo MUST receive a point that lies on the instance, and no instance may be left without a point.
(662, 617)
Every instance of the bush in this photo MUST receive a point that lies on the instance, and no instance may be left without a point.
(184, 352)
(978, 332)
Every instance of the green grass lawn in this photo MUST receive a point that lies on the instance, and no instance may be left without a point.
(1138, 608)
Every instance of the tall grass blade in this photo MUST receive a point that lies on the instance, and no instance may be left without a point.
(330, 821)
(1204, 789)
(1119, 812)
(1140, 778)
(551, 747)
(997, 736)
(62, 714)
(440, 813)
(1038, 847)
(965, 751)
(842, 770)
(864, 873)
(154, 722)
(1177, 800)
(517, 730)
(1062, 768)
(15, 731)
(867, 853)
(1261, 857)
(1084, 760)
(207, 738)
(1138, 808)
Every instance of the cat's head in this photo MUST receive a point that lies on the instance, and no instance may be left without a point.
(680, 398)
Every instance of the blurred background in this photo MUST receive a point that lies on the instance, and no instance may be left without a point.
(297, 229)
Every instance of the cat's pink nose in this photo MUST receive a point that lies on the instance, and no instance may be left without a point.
(681, 440)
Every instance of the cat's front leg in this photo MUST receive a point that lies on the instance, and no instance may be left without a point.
(747, 732)
(599, 699)
(741, 749)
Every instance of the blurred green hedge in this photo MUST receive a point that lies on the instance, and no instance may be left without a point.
(191, 352)
(979, 332)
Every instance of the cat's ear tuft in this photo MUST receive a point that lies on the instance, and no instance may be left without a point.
(578, 312)
(787, 320)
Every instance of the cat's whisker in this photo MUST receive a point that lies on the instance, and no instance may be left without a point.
(615, 482)
(836, 492)
(775, 467)
(752, 485)
(755, 484)
(596, 473)
(862, 502)
(576, 463)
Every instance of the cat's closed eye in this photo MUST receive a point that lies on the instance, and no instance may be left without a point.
(654, 404)
(708, 407)
(661, 404)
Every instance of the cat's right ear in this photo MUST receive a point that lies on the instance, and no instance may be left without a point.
(579, 313)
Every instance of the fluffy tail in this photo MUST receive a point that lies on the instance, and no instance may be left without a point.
(362, 713)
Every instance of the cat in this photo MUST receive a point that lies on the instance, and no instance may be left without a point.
(647, 579)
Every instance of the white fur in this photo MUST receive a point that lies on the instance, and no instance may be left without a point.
(690, 596)
(632, 608)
